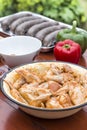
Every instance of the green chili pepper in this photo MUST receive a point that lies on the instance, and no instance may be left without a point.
(79, 36)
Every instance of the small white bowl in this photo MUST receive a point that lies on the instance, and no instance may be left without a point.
(43, 112)
(17, 50)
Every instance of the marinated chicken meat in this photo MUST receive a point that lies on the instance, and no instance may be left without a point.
(39, 86)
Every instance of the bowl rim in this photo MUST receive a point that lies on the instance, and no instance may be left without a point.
(28, 53)
(38, 108)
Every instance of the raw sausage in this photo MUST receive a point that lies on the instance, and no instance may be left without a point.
(42, 33)
(22, 28)
(7, 21)
(50, 38)
(34, 29)
(20, 21)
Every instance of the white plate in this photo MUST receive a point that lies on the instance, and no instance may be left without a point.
(44, 49)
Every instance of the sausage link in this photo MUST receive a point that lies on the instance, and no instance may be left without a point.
(50, 38)
(42, 33)
(7, 21)
(34, 29)
(22, 28)
(19, 21)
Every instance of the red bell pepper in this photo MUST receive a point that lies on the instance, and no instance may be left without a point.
(68, 51)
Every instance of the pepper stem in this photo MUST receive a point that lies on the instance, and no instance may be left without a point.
(66, 46)
(74, 26)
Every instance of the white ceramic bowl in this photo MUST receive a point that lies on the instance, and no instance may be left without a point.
(17, 50)
(44, 112)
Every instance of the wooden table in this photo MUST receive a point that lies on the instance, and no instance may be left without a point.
(12, 118)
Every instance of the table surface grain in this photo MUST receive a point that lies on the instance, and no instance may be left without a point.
(12, 118)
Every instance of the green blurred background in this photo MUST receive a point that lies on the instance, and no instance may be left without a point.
(61, 10)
